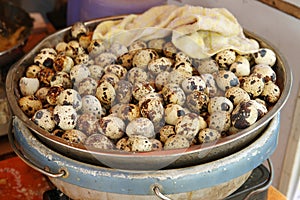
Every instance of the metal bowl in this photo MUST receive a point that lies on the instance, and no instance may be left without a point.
(12, 17)
(194, 155)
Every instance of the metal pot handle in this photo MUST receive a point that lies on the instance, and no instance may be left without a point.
(157, 192)
(61, 172)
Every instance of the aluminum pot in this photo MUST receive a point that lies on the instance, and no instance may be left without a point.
(79, 180)
(194, 155)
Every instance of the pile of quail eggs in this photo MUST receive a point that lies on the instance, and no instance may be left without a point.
(144, 97)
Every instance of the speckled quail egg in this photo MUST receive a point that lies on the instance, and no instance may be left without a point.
(105, 58)
(115, 109)
(123, 91)
(173, 112)
(156, 44)
(153, 109)
(65, 116)
(141, 89)
(184, 67)
(32, 71)
(206, 66)
(225, 58)
(219, 120)
(219, 103)
(83, 59)
(129, 112)
(253, 85)
(112, 127)
(77, 29)
(113, 79)
(176, 142)
(96, 47)
(122, 144)
(45, 58)
(53, 93)
(70, 97)
(197, 101)
(28, 86)
(126, 59)
(139, 143)
(87, 86)
(165, 132)
(44, 119)
(159, 65)
(118, 49)
(169, 50)
(156, 144)
(211, 88)
(152, 95)
(96, 71)
(193, 83)
(61, 79)
(30, 104)
(78, 73)
(265, 56)
(136, 75)
(74, 136)
(208, 135)
(271, 92)
(87, 123)
(244, 115)
(85, 40)
(240, 67)
(99, 141)
(182, 57)
(188, 126)
(106, 93)
(90, 104)
(137, 45)
(161, 79)
(74, 49)
(61, 47)
(63, 63)
(172, 93)
(261, 107)
(142, 58)
(226, 79)
(236, 95)
(45, 75)
(41, 94)
(140, 126)
(266, 72)
(116, 69)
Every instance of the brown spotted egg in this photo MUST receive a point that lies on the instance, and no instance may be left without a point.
(77, 29)
(30, 104)
(87, 86)
(53, 94)
(265, 56)
(220, 121)
(236, 95)
(28, 86)
(240, 67)
(96, 71)
(165, 132)
(173, 112)
(206, 66)
(116, 69)
(169, 50)
(265, 71)
(73, 49)
(211, 86)
(140, 126)
(225, 58)
(45, 58)
(32, 71)
(141, 89)
(184, 68)
(226, 79)
(136, 75)
(159, 65)
(137, 45)
(78, 73)
(90, 104)
(244, 115)
(208, 135)
(143, 57)
(253, 85)
(219, 103)
(63, 63)
(65, 117)
(44, 119)
(123, 91)
(106, 93)
(112, 127)
(70, 97)
(45, 76)
(176, 142)
(74, 136)
(153, 109)
(87, 123)
(271, 92)
(197, 101)
(61, 79)
(157, 44)
(105, 58)
(129, 112)
(193, 83)
(139, 143)
(172, 93)
(118, 49)
(188, 126)
(99, 141)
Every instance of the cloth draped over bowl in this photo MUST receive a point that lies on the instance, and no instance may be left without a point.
(199, 32)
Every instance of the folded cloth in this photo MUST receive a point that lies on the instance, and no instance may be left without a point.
(197, 31)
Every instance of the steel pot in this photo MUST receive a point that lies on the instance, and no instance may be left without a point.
(194, 155)
(79, 180)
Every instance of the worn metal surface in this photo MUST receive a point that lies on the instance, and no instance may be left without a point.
(133, 182)
(197, 154)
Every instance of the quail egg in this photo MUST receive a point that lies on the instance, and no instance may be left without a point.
(253, 85)
(53, 94)
(90, 104)
(176, 142)
(77, 29)
(32, 71)
(83, 59)
(165, 132)
(143, 57)
(260, 106)
(87, 86)
(137, 45)
(65, 116)
(188, 126)
(271, 92)
(45, 58)
(78, 73)
(161, 80)
(156, 44)
(265, 71)
(61, 47)
(44, 119)
(244, 115)
(153, 109)
(173, 112)
(74, 136)
(211, 86)
(197, 101)
(240, 67)
(45, 76)
(172, 93)
(112, 127)
(156, 144)
(129, 112)
(123, 91)
(30, 104)
(126, 59)
(41, 94)
(140, 126)
(193, 83)
(61, 79)
(28, 86)
(206, 66)
(184, 68)
(70, 97)
(96, 47)
(219, 120)
(208, 135)
(63, 63)
(169, 50)
(236, 95)
(116, 69)
(99, 141)
(111, 78)
(139, 143)
(136, 75)
(219, 104)
(225, 58)
(141, 89)
(87, 123)
(106, 93)
(105, 58)
(118, 49)
(265, 56)
(96, 71)
(74, 49)
(226, 79)
(182, 57)
(159, 65)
